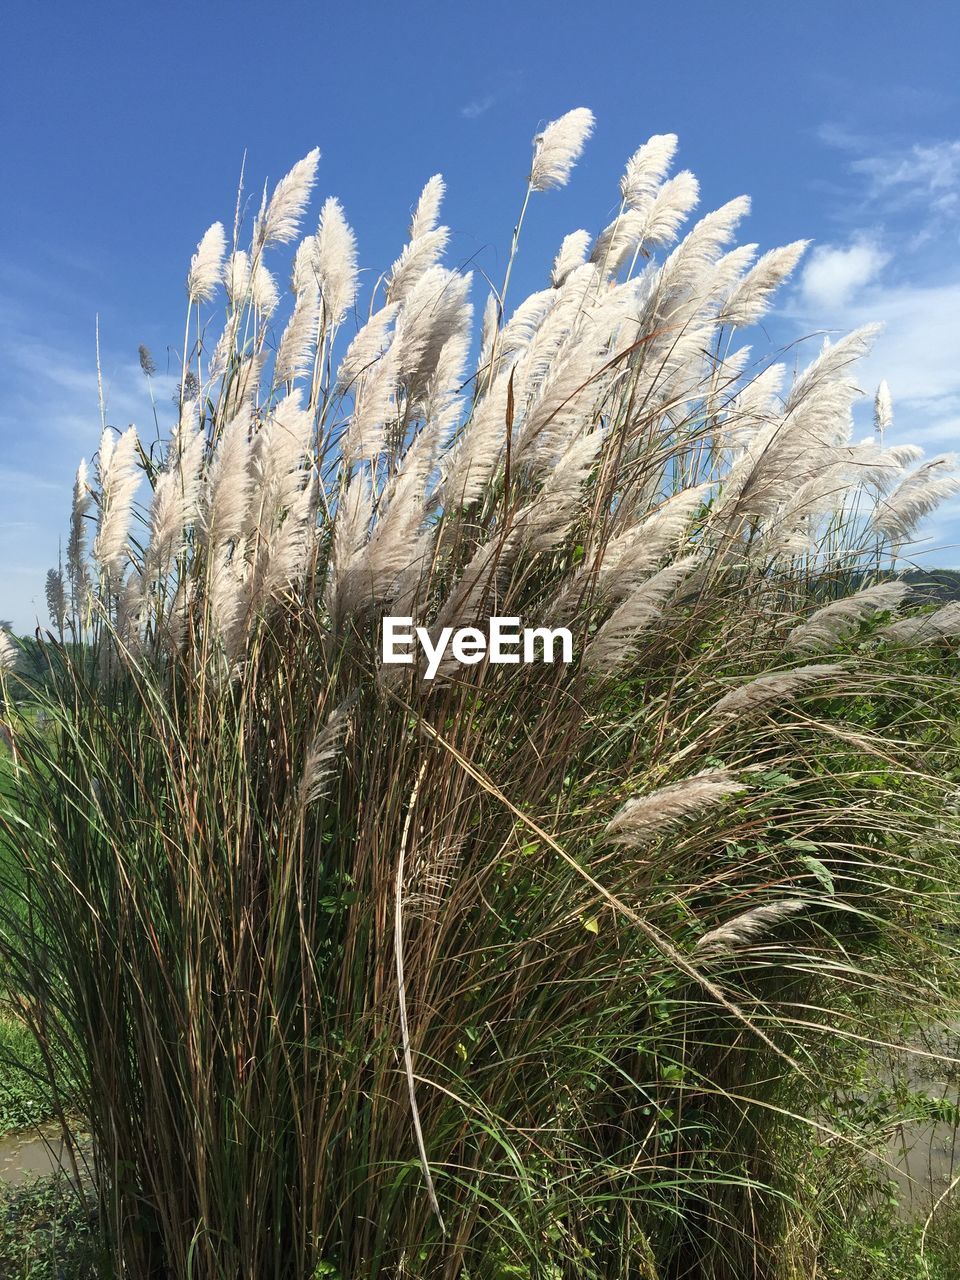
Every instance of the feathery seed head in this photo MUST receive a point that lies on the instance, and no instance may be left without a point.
(280, 222)
(205, 266)
(76, 545)
(572, 253)
(916, 496)
(557, 149)
(8, 653)
(649, 817)
(925, 628)
(336, 262)
(236, 278)
(427, 212)
(882, 410)
(750, 297)
(56, 598)
(146, 360)
(747, 927)
(646, 170)
(119, 480)
(778, 686)
(830, 624)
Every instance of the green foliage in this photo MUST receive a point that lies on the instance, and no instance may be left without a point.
(25, 1097)
(865, 1234)
(47, 1234)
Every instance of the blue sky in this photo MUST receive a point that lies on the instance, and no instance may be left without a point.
(124, 127)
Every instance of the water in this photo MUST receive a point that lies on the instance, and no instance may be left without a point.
(34, 1153)
(923, 1160)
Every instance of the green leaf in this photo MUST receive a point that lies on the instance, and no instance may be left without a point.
(816, 867)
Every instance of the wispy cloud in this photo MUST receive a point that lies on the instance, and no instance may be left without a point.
(478, 107)
(925, 169)
(913, 187)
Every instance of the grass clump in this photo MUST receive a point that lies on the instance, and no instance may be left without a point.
(539, 971)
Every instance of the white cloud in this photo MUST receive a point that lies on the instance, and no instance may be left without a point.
(917, 351)
(833, 274)
(473, 110)
(924, 169)
(914, 190)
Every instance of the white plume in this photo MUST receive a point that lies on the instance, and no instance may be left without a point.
(263, 289)
(281, 221)
(295, 352)
(8, 653)
(747, 927)
(236, 278)
(119, 479)
(572, 254)
(925, 628)
(175, 496)
(228, 488)
(558, 148)
(835, 620)
(882, 410)
(750, 299)
(206, 265)
(898, 515)
(56, 598)
(427, 212)
(76, 545)
(648, 817)
(779, 686)
(668, 211)
(336, 262)
(367, 347)
(646, 170)
(615, 640)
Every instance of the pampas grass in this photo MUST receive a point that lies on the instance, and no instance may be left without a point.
(826, 626)
(648, 817)
(335, 262)
(916, 496)
(764, 691)
(119, 477)
(279, 221)
(206, 265)
(369, 975)
(748, 927)
(8, 653)
(557, 149)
